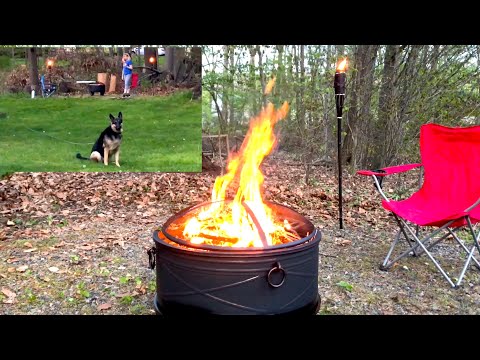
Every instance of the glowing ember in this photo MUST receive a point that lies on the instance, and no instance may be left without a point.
(246, 221)
(342, 66)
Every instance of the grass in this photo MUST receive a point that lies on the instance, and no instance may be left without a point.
(161, 134)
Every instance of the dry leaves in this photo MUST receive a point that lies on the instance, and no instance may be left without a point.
(343, 242)
(22, 268)
(9, 294)
(105, 306)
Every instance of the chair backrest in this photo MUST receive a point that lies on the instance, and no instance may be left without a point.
(451, 161)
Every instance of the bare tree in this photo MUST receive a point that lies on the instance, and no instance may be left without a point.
(33, 69)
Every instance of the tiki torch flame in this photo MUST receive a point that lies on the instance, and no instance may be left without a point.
(342, 66)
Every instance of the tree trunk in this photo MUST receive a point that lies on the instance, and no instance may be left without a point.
(231, 111)
(225, 86)
(196, 56)
(33, 69)
(328, 124)
(298, 98)
(170, 58)
(179, 65)
(357, 136)
(262, 75)
(252, 79)
(150, 52)
(280, 71)
(386, 107)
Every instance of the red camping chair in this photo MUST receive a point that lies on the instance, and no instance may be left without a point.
(134, 81)
(448, 198)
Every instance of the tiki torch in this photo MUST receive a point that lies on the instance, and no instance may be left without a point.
(339, 85)
(49, 67)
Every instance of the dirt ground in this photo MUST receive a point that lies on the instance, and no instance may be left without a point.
(76, 243)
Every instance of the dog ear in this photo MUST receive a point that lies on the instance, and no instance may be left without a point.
(112, 117)
(120, 115)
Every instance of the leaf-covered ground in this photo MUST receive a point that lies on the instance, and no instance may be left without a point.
(75, 243)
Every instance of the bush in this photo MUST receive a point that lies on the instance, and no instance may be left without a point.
(4, 62)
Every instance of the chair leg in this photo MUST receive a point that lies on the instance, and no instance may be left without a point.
(477, 263)
(385, 265)
(476, 238)
(421, 247)
(420, 243)
(469, 259)
(407, 238)
(413, 248)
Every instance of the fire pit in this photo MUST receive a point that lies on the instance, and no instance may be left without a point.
(96, 87)
(209, 279)
(243, 255)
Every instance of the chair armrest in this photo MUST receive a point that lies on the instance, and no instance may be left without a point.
(389, 170)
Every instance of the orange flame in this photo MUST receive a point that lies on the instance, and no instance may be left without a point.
(152, 59)
(342, 66)
(269, 87)
(230, 220)
(50, 62)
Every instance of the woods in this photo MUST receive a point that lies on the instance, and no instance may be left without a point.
(391, 90)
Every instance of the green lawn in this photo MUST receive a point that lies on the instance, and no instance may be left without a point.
(161, 134)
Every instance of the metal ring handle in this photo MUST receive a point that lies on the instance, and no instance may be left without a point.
(277, 267)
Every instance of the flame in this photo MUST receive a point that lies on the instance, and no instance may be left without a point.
(152, 59)
(269, 87)
(342, 66)
(50, 62)
(231, 221)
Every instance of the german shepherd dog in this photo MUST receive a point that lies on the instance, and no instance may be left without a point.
(108, 143)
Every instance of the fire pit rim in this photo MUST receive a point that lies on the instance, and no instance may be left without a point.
(254, 252)
(229, 249)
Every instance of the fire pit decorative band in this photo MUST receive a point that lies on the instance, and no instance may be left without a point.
(223, 280)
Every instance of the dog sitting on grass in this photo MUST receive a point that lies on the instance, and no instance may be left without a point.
(108, 143)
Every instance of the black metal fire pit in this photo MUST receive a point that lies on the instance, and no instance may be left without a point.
(96, 87)
(205, 279)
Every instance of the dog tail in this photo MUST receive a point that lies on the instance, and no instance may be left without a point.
(81, 157)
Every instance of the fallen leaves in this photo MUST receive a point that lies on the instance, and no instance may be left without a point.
(9, 294)
(10, 223)
(22, 268)
(343, 242)
(105, 306)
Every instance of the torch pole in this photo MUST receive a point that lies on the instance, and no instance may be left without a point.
(339, 104)
(339, 86)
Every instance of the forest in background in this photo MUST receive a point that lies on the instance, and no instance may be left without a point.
(391, 91)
